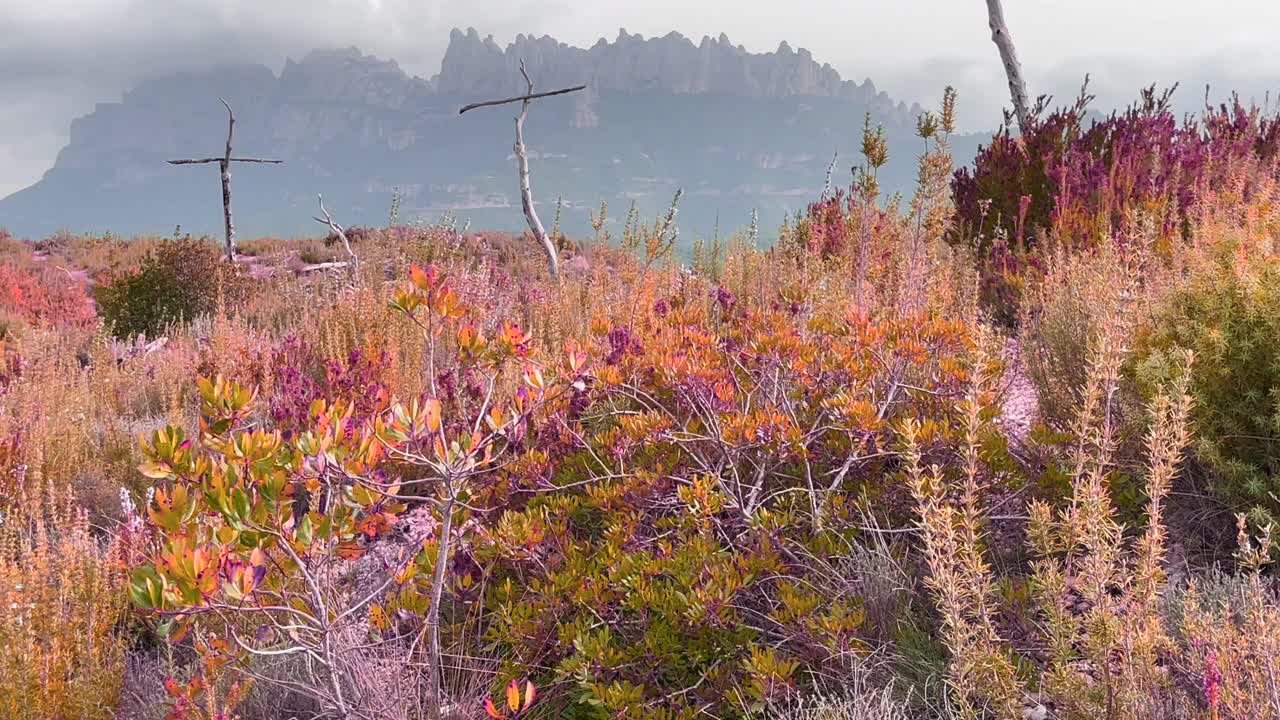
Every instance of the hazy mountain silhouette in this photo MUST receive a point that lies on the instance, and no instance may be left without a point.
(736, 130)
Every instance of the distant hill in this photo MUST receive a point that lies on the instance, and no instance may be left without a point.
(736, 130)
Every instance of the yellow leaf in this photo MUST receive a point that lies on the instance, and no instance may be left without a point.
(513, 696)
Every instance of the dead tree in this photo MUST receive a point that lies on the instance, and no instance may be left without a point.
(224, 163)
(1012, 68)
(336, 229)
(522, 163)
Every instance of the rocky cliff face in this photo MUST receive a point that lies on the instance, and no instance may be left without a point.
(670, 64)
(738, 131)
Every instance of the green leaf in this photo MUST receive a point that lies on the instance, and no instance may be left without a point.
(303, 533)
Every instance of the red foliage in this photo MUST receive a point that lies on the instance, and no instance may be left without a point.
(43, 296)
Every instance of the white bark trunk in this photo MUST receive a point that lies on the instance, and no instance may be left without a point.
(526, 194)
(1012, 68)
(226, 186)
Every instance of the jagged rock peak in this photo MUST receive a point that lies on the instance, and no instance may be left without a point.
(670, 63)
(346, 75)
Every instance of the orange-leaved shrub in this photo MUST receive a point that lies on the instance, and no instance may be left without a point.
(644, 545)
(261, 535)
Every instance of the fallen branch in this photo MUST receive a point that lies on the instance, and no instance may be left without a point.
(318, 267)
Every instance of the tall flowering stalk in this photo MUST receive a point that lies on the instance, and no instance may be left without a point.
(981, 672)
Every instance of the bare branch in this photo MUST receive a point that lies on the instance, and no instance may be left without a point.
(527, 81)
(519, 98)
(526, 193)
(444, 541)
(342, 235)
(231, 123)
(1012, 68)
(199, 161)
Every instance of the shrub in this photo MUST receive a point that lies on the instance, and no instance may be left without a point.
(39, 295)
(300, 377)
(1082, 183)
(627, 510)
(1061, 319)
(178, 280)
(313, 254)
(1110, 648)
(262, 533)
(1081, 186)
(643, 553)
(1226, 308)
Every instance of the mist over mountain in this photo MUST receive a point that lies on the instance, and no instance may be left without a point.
(738, 131)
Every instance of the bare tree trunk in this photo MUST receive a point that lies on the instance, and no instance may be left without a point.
(434, 652)
(224, 165)
(1012, 68)
(226, 186)
(526, 194)
(522, 163)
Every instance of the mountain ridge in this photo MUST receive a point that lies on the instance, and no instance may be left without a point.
(738, 130)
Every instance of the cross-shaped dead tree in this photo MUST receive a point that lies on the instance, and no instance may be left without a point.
(224, 163)
(522, 162)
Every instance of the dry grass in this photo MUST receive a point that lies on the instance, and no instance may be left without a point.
(62, 640)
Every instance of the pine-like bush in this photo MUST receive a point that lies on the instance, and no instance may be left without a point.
(1226, 308)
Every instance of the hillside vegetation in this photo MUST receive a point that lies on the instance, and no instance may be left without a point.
(1005, 448)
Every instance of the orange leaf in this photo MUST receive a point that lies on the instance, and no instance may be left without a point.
(513, 695)
(423, 279)
(491, 710)
(433, 415)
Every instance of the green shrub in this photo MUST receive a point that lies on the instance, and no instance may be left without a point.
(1227, 311)
(178, 280)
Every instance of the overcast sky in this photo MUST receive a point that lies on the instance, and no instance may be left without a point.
(59, 57)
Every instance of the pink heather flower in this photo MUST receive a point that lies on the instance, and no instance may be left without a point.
(1212, 684)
